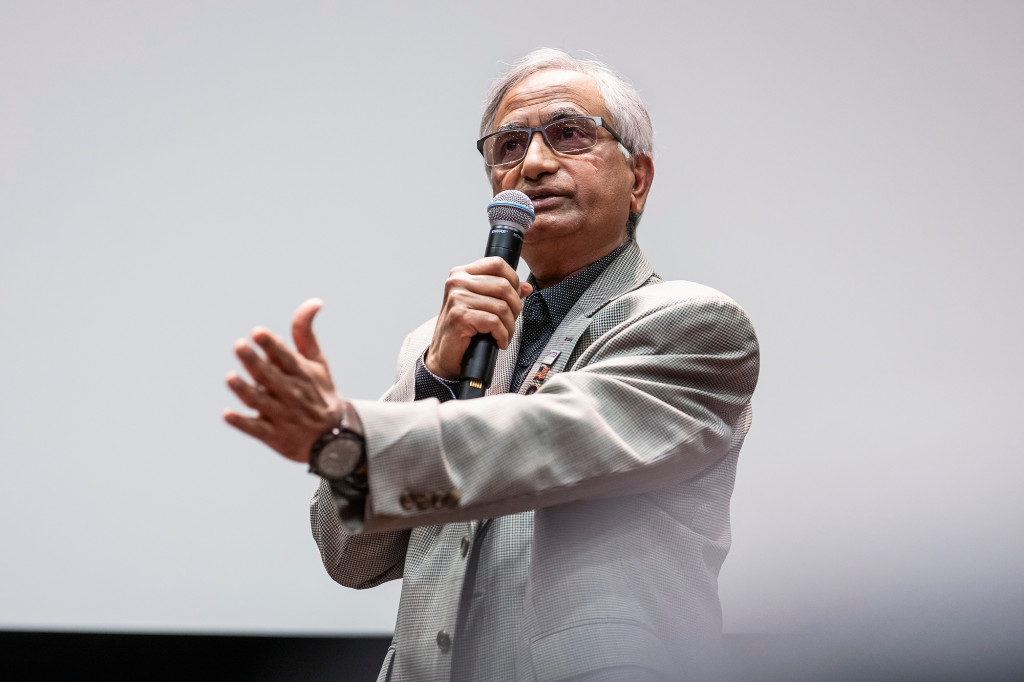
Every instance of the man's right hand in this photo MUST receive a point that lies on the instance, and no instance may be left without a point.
(484, 297)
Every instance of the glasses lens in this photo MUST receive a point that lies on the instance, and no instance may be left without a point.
(505, 147)
(572, 134)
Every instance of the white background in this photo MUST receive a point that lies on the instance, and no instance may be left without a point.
(174, 173)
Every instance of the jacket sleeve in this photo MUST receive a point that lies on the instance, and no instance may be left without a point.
(653, 399)
(367, 559)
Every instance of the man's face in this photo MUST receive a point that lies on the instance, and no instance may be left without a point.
(582, 199)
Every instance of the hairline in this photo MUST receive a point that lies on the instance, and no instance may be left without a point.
(620, 99)
(562, 112)
(621, 102)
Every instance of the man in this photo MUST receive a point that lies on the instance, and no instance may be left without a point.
(569, 525)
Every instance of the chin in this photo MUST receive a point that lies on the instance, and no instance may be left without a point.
(546, 226)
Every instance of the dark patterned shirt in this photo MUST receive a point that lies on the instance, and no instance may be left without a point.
(543, 311)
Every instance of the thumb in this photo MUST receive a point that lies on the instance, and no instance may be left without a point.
(525, 289)
(302, 329)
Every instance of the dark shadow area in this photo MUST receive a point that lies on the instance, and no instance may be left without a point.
(28, 655)
(114, 656)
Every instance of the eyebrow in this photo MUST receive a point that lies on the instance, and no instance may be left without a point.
(557, 114)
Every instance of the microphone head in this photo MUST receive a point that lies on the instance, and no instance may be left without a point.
(512, 208)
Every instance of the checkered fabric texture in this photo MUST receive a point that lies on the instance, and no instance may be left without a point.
(608, 491)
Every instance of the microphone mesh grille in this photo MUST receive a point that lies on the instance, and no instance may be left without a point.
(511, 206)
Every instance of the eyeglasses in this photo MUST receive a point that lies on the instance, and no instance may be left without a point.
(565, 135)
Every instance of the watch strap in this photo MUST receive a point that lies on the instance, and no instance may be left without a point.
(348, 493)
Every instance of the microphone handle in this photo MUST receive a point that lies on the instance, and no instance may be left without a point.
(478, 361)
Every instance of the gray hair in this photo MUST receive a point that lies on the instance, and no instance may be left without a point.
(629, 116)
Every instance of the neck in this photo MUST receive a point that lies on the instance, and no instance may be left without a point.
(552, 266)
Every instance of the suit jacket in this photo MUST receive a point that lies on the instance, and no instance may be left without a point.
(608, 490)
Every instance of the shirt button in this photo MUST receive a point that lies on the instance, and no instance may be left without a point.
(444, 641)
(465, 545)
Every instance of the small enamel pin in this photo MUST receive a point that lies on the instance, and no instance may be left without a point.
(541, 370)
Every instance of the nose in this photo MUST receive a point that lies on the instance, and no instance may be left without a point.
(540, 158)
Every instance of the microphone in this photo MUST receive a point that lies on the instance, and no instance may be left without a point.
(511, 214)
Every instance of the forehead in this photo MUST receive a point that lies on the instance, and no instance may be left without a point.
(547, 91)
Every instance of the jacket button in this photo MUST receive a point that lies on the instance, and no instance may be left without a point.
(464, 548)
(405, 499)
(444, 641)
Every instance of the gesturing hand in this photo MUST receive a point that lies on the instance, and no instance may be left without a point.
(292, 393)
(484, 297)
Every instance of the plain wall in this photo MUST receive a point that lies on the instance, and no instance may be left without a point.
(174, 173)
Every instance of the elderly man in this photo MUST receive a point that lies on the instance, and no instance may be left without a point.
(569, 525)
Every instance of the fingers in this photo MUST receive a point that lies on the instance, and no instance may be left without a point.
(296, 389)
(250, 395)
(257, 428)
(471, 314)
(302, 330)
(283, 406)
(493, 266)
(260, 429)
(261, 371)
(292, 392)
(277, 353)
(488, 286)
(290, 416)
(484, 297)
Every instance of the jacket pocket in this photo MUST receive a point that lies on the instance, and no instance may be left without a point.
(596, 644)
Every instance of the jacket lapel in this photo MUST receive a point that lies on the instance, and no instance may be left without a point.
(505, 363)
(627, 272)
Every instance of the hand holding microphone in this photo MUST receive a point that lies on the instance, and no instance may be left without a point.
(482, 301)
(511, 215)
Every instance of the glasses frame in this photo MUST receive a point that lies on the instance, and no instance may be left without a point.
(543, 133)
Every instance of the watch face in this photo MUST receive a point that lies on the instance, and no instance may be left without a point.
(339, 457)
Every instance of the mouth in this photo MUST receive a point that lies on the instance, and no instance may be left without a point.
(542, 199)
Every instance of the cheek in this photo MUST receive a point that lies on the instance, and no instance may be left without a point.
(502, 180)
(593, 184)
(596, 174)
(608, 185)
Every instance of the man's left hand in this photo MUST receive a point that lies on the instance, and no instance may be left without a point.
(292, 392)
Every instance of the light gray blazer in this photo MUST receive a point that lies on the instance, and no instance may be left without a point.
(608, 491)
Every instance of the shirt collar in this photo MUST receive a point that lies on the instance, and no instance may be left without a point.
(560, 298)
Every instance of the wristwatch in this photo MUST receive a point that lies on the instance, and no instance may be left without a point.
(341, 450)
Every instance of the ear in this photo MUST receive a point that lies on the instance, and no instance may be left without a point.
(643, 176)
